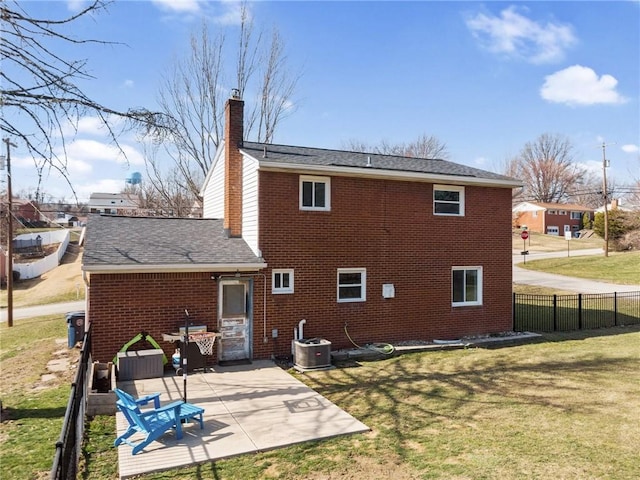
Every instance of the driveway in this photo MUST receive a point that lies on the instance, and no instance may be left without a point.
(40, 310)
(561, 282)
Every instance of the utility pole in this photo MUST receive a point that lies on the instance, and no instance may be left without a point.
(9, 236)
(605, 164)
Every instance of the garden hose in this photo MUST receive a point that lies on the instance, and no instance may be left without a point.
(384, 348)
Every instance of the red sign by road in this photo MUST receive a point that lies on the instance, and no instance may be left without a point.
(524, 235)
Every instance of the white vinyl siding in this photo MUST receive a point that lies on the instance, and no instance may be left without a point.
(213, 197)
(250, 204)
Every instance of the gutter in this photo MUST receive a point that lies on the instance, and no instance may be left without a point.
(388, 174)
(178, 268)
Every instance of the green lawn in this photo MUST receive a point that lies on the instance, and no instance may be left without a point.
(546, 410)
(33, 411)
(622, 268)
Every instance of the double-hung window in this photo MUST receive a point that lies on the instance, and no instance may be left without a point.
(352, 284)
(466, 286)
(315, 193)
(448, 200)
(282, 281)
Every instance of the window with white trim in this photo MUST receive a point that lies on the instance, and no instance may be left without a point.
(466, 286)
(448, 200)
(282, 281)
(352, 284)
(576, 215)
(315, 193)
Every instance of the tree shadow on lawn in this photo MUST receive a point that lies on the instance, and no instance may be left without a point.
(10, 413)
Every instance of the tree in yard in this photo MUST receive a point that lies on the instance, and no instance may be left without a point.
(39, 91)
(621, 223)
(425, 146)
(193, 96)
(546, 167)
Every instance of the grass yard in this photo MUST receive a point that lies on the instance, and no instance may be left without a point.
(553, 243)
(622, 268)
(547, 410)
(32, 409)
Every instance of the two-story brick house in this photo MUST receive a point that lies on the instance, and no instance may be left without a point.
(551, 218)
(394, 248)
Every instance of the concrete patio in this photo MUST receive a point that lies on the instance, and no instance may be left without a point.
(248, 408)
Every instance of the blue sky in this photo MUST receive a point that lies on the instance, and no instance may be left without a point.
(483, 77)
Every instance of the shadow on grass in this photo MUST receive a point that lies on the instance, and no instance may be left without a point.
(10, 413)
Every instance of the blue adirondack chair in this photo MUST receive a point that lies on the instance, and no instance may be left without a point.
(153, 423)
(127, 398)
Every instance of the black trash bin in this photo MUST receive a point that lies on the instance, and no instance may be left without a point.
(75, 327)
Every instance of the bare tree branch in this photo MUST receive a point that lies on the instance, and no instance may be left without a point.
(425, 146)
(546, 167)
(192, 101)
(39, 90)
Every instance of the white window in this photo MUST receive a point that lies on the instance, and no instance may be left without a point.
(567, 228)
(552, 212)
(576, 215)
(553, 231)
(315, 193)
(466, 286)
(282, 281)
(352, 284)
(562, 212)
(448, 200)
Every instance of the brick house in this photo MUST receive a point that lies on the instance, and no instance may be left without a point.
(550, 218)
(394, 248)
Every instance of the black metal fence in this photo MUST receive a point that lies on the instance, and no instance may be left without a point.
(68, 446)
(551, 313)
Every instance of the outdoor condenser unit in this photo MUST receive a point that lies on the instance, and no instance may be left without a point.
(312, 353)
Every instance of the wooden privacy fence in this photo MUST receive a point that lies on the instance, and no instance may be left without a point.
(551, 313)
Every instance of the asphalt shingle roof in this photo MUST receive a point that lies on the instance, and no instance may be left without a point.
(153, 241)
(307, 156)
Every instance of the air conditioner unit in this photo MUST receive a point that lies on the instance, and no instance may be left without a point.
(312, 353)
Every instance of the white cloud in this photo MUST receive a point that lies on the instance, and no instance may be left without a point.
(128, 83)
(178, 6)
(630, 148)
(578, 85)
(93, 151)
(517, 36)
(76, 5)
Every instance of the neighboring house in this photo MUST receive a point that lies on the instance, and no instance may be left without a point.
(550, 218)
(66, 220)
(113, 203)
(25, 211)
(615, 205)
(387, 248)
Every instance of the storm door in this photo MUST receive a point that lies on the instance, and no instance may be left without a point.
(234, 321)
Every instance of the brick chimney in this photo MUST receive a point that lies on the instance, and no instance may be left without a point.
(233, 133)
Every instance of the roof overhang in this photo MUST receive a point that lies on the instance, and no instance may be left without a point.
(177, 268)
(386, 174)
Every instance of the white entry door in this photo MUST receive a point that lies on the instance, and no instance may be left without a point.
(234, 321)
